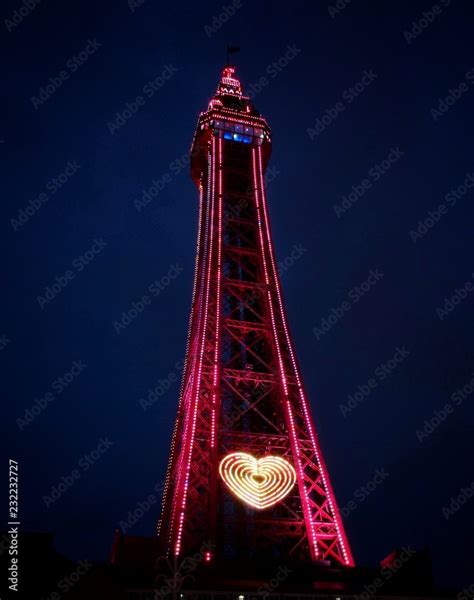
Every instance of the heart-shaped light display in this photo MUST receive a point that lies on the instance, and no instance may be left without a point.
(260, 482)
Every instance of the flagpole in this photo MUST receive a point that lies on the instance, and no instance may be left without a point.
(230, 50)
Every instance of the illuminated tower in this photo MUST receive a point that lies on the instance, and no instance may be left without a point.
(246, 475)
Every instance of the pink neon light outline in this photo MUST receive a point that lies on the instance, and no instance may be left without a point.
(309, 424)
(190, 438)
(189, 387)
(293, 436)
(218, 290)
(185, 366)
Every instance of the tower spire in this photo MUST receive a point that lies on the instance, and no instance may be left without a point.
(229, 84)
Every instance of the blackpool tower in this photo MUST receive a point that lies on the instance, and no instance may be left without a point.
(246, 476)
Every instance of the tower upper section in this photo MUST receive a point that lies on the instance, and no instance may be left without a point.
(232, 116)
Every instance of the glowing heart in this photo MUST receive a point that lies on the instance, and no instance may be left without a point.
(260, 482)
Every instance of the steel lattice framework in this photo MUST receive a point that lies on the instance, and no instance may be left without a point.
(242, 390)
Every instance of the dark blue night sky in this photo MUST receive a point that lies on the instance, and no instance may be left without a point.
(371, 202)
